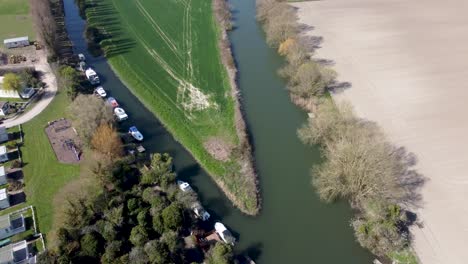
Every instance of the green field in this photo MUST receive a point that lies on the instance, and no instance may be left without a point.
(44, 176)
(166, 52)
(15, 19)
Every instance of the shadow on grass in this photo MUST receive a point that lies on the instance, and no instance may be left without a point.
(105, 33)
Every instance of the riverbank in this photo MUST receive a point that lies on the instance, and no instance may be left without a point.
(385, 56)
(184, 82)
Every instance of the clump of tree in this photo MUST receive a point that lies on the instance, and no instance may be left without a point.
(307, 79)
(220, 254)
(12, 82)
(70, 80)
(134, 221)
(88, 113)
(279, 21)
(363, 167)
(30, 78)
(107, 142)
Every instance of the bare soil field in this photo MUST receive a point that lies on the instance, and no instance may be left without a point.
(405, 64)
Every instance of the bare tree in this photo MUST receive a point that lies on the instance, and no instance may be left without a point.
(89, 112)
(107, 142)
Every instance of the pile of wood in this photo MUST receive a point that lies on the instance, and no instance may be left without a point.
(14, 59)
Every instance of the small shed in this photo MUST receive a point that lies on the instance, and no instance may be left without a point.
(3, 154)
(4, 201)
(3, 179)
(16, 42)
(3, 134)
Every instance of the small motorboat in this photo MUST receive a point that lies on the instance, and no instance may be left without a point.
(224, 233)
(92, 76)
(200, 212)
(133, 131)
(184, 186)
(112, 102)
(81, 57)
(120, 114)
(100, 91)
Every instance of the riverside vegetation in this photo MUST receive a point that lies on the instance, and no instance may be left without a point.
(175, 57)
(121, 209)
(360, 164)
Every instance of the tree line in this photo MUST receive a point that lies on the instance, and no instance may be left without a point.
(360, 165)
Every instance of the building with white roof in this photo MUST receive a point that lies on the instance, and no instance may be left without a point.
(16, 42)
(4, 201)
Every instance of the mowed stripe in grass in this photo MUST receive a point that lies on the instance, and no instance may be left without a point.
(166, 52)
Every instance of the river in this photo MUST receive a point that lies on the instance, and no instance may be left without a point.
(294, 226)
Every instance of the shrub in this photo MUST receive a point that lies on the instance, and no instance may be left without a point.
(16, 164)
(138, 236)
(172, 217)
(12, 82)
(220, 254)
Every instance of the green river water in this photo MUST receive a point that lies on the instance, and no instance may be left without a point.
(294, 226)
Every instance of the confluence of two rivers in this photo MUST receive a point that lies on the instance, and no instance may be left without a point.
(294, 226)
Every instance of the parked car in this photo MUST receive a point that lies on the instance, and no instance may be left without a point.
(112, 102)
(120, 114)
(100, 91)
(133, 131)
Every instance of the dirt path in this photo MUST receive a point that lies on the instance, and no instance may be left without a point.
(47, 97)
(407, 63)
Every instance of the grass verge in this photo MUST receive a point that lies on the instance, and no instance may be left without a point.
(44, 176)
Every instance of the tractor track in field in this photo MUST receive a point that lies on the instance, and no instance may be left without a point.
(167, 40)
(189, 96)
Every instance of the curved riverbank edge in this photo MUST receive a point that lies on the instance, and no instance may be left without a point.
(247, 160)
(244, 149)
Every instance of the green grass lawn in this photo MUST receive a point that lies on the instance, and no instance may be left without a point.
(43, 174)
(15, 19)
(167, 54)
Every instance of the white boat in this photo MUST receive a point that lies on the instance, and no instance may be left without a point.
(184, 186)
(200, 212)
(92, 76)
(120, 114)
(224, 233)
(100, 91)
(133, 131)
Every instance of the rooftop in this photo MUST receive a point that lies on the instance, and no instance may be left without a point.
(14, 253)
(7, 221)
(2, 170)
(3, 194)
(3, 150)
(15, 39)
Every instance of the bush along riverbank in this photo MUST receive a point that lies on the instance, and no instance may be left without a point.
(185, 74)
(360, 165)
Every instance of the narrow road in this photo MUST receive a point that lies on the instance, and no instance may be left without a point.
(49, 93)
